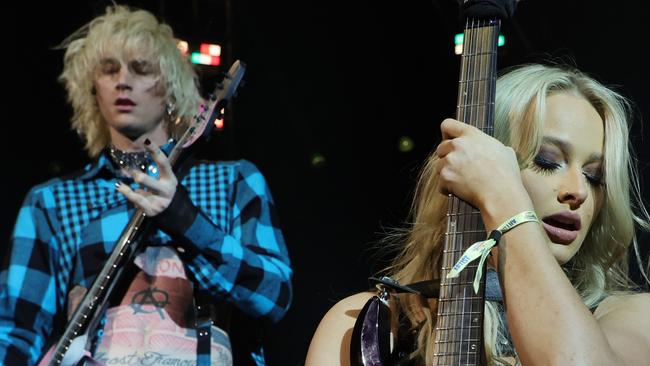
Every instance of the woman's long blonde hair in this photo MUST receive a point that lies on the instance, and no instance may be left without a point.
(123, 31)
(600, 267)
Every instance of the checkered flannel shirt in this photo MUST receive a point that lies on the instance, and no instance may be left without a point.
(68, 226)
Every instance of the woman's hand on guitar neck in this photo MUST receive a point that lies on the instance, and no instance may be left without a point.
(159, 192)
(480, 170)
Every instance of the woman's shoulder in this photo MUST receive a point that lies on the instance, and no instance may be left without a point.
(345, 312)
(628, 303)
(352, 302)
(331, 342)
(625, 320)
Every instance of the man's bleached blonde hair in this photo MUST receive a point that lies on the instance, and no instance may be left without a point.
(121, 32)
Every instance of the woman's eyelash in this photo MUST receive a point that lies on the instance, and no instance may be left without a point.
(544, 165)
(595, 179)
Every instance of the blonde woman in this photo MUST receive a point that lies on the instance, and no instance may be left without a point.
(560, 150)
(132, 94)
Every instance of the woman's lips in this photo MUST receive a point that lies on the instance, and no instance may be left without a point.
(559, 235)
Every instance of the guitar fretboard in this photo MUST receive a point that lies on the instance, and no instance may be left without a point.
(459, 326)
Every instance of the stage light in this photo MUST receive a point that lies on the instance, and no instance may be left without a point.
(458, 39)
(210, 54)
(205, 59)
(405, 144)
(218, 123)
(317, 160)
(210, 49)
(458, 42)
(183, 46)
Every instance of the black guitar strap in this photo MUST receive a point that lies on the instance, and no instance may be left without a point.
(203, 324)
(429, 289)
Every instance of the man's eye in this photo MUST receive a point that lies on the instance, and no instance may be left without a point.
(109, 67)
(141, 67)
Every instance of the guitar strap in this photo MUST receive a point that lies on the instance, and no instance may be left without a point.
(203, 324)
(429, 289)
(207, 314)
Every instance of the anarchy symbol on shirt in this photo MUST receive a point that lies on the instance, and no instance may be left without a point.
(151, 296)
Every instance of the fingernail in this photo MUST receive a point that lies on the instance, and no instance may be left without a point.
(147, 142)
(118, 184)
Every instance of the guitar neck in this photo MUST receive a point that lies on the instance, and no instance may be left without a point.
(459, 327)
(85, 316)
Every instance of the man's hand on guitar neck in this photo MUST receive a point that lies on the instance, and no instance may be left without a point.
(158, 193)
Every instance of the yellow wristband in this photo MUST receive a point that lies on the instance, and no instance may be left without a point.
(482, 248)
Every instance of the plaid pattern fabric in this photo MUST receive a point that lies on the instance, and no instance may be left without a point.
(68, 226)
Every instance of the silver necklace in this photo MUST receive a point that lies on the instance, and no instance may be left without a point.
(129, 160)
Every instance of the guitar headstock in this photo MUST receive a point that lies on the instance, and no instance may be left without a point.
(211, 110)
(488, 9)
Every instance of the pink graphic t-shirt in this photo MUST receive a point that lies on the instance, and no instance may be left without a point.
(151, 325)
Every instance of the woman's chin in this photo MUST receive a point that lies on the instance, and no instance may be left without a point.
(562, 252)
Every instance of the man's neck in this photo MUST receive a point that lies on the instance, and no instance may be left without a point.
(158, 135)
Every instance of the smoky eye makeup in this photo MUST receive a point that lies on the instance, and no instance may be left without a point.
(548, 163)
(547, 159)
(594, 174)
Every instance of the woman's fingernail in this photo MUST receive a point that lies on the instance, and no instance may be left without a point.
(147, 142)
(118, 184)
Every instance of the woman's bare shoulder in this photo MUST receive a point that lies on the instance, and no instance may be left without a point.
(331, 342)
(625, 320)
(623, 302)
(344, 313)
(352, 302)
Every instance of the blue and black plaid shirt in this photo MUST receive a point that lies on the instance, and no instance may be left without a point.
(68, 226)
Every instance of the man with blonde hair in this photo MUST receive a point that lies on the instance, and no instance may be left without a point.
(215, 236)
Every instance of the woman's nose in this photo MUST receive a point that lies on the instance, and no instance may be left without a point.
(574, 190)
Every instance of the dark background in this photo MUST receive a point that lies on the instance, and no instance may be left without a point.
(344, 79)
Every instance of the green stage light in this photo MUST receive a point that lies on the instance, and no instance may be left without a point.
(405, 144)
(317, 160)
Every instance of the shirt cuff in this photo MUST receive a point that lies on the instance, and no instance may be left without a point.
(177, 218)
(184, 222)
